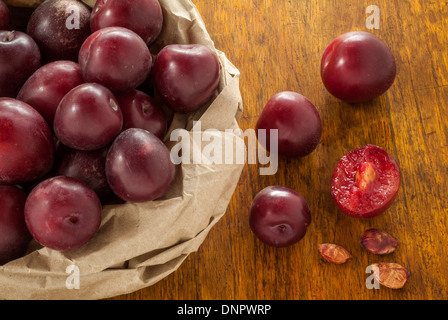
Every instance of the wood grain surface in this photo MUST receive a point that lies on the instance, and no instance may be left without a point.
(277, 45)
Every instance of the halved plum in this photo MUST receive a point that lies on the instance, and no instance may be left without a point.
(365, 182)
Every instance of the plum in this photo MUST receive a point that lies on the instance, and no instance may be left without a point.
(4, 16)
(144, 17)
(139, 166)
(142, 111)
(88, 117)
(365, 182)
(279, 216)
(59, 28)
(297, 121)
(115, 57)
(63, 213)
(357, 66)
(19, 58)
(87, 166)
(48, 85)
(26, 143)
(14, 235)
(186, 76)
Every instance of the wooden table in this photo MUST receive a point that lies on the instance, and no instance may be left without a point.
(277, 45)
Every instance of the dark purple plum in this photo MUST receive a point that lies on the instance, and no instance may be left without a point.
(139, 166)
(19, 58)
(48, 85)
(63, 213)
(186, 76)
(144, 17)
(4, 16)
(297, 121)
(357, 66)
(115, 57)
(142, 111)
(14, 235)
(279, 216)
(59, 28)
(26, 143)
(87, 166)
(88, 117)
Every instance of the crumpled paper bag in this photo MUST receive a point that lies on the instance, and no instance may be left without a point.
(139, 244)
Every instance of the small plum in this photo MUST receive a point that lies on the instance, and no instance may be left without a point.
(4, 16)
(63, 213)
(59, 28)
(357, 66)
(14, 235)
(279, 216)
(139, 166)
(297, 121)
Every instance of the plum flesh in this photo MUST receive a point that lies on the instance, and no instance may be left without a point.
(365, 182)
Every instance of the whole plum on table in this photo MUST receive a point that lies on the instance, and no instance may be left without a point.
(279, 216)
(59, 28)
(19, 58)
(115, 57)
(357, 66)
(26, 143)
(297, 121)
(46, 87)
(14, 235)
(63, 213)
(144, 17)
(365, 182)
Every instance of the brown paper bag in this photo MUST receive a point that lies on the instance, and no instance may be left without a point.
(139, 244)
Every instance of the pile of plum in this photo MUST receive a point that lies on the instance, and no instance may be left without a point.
(80, 127)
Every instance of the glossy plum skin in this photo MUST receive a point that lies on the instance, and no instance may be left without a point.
(297, 121)
(365, 182)
(144, 17)
(14, 235)
(115, 57)
(4, 16)
(139, 167)
(186, 76)
(357, 67)
(87, 166)
(46, 87)
(19, 58)
(142, 111)
(63, 213)
(88, 117)
(48, 27)
(279, 216)
(26, 143)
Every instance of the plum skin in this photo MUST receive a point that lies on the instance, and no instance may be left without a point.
(88, 117)
(14, 234)
(47, 26)
(63, 213)
(19, 58)
(357, 66)
(4, 16)
(116, 58)
(279, 216)
(298, 123)
(139, 166)
(144, 17)
(46, 87)
(365, 198)
(186, 76)
(21, 125)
